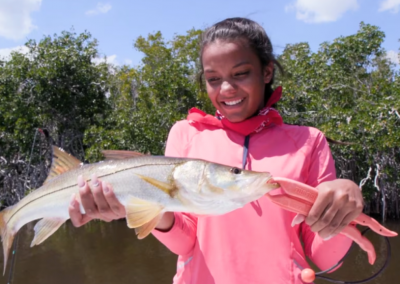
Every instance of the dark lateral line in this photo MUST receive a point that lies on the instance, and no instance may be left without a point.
(105, 175)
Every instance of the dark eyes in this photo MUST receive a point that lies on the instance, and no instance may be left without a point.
(236, 171)
(240, 74)
(212, 80)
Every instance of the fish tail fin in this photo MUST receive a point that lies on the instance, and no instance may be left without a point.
(7, 234)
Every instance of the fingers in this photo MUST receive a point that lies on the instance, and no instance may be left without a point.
(117, 208)
(318, 209)
(338, 203)
(77, 218)
(345, 221)
(343, 216)
(326, 216)
(103, 209)
(98, 202)
(87, 199)
(331, 223)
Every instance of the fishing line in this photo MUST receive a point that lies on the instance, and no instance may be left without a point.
(318, 274)
(30, 156)
(15, 245)
(14, 252)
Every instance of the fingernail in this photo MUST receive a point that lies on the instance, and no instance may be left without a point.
(106, 189)
(81, 182)
(327, 238)
(95, 181)
(298, 219)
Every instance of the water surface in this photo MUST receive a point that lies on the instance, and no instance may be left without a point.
(109, 253)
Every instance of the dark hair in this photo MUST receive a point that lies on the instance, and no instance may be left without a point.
(242, 29)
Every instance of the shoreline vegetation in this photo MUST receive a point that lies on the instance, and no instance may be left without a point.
(57, 93)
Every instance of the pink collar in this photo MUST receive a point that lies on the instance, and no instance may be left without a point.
(265, 117)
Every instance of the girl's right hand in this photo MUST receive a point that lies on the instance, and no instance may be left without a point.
(98, 201)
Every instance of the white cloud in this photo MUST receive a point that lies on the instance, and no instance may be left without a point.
(393, 56)
(318, 11)
(100, 9)
(392, 5)
(128, 62)
(6, 52)
(15, 17)
(112, 59)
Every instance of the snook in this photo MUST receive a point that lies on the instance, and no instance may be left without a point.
(147, 186)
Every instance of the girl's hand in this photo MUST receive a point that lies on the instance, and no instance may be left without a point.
(338, 203)
(99, 202)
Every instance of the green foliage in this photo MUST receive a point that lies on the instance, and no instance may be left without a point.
(350, 91)
(149, 99)
(55, 86)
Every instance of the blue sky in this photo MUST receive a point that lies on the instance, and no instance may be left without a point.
(116, 24)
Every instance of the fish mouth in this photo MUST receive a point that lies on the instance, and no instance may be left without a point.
(266, 184)
(273, 183)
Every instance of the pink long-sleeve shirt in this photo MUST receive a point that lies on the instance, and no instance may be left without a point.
(256, 243)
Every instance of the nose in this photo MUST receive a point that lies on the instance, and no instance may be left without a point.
(227, 87)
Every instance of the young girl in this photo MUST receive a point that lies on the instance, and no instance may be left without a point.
(257, 243)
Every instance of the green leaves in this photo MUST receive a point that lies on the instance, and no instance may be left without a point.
(55, 86)
(149, 99)
(350, 91)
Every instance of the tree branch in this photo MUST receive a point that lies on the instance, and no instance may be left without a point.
(364, 180)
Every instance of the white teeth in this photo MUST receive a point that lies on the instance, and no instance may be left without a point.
(232, 103)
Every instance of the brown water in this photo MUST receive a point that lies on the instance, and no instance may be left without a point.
(109, 253)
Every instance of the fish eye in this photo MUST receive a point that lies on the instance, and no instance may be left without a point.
(236, 171)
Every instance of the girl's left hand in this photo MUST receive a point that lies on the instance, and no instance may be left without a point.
(338, 203)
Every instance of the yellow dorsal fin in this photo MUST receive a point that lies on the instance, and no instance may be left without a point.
(62, 162)
(120, 154)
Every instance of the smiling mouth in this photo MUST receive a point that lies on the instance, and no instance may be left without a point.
(233, 103)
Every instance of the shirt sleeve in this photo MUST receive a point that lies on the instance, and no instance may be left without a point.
(323, 253)
(180, 239)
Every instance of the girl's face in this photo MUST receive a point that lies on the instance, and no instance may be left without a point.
(235, 79)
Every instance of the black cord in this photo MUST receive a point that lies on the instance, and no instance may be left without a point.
(245, 151)
(14, 252)
(388, 256)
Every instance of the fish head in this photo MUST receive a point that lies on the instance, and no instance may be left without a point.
(225, 187)
(236, 182)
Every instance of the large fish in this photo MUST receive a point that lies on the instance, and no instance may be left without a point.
(146, 185)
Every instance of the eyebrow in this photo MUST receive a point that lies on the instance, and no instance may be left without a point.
(237, 65)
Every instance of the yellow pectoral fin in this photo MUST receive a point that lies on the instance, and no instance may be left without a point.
(140, 212)
(167, 188)
(45, 228)
(145, 230)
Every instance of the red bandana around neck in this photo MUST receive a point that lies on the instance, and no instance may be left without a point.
(265, 117)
